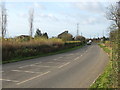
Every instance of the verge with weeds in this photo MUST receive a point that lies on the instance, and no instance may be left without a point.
(108, 78)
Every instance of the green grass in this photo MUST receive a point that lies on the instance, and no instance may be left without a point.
(42, 55)
(105, 79)
(105, 49)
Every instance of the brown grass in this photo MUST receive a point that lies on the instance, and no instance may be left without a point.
(15, 48)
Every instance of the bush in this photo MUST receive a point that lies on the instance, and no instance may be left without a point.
(14, 49)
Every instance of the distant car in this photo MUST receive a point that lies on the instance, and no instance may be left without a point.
(89, 42)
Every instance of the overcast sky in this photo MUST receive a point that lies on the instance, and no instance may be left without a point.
(56, 17)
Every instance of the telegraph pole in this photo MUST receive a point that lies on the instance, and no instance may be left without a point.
(77, 29)
(103, 33)
(81, 33)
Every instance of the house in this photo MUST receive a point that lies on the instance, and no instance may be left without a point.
(65, 36)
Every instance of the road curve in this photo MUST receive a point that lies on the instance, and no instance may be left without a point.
(74, 69)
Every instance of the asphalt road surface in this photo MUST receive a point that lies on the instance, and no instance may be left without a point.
(74, 69)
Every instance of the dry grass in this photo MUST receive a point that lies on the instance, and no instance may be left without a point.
(16, 48)
(73, 41)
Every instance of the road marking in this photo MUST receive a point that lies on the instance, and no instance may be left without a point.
(76, 58)
(24, 71)
(32, 65)
(60, 57)
(1, 71)
(33, 77)
(38, 63)
(24, 66)
(50, 62)
(39, 66)
(71, 54)
(64, 65)
(55, 59)
(29, 65)
(9, 80)
(86, 51)
(81, 55)
(95, 79)
(43, 66)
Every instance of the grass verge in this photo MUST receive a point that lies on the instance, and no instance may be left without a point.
(104, 80)
(42, 55)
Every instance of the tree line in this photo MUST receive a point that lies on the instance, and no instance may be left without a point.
(3, 20)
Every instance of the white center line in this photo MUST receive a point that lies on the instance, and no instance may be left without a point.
(24, 71)
(33, 77)
(64, 65)
(76, 58)
(43, 66)
(23, 66)
(1, 71)
(39, 66)
(50, 62)
(55, 59)
(37, 63)
(71, 54)
(32, 65)
(9, 80)
(60, 57)
(29, 65)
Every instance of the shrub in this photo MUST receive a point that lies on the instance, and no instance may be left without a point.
(15, 49)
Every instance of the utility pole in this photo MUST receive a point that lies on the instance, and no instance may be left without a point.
(81, 33)
(103, 33)
(77, 29)
(90, 36)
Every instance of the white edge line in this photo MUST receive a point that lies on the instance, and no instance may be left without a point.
(33, 77)
(76, 58)
(95, 80)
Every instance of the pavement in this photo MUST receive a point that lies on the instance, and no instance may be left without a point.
(74, 69)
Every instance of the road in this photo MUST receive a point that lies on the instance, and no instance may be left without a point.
(74, 69)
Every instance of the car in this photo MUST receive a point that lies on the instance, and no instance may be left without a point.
(89, 42)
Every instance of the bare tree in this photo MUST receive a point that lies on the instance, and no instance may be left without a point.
(114, 14)
(31, 19)
(3, 19)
